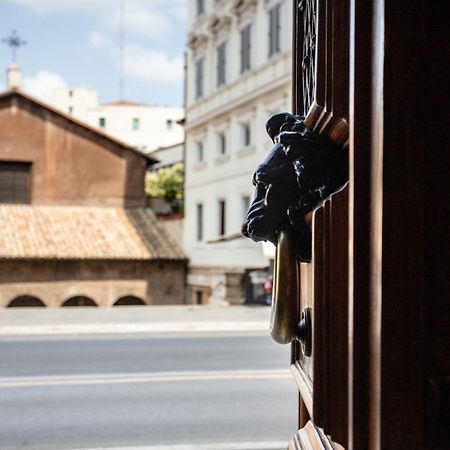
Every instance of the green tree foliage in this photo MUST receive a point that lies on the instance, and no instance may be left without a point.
(166, 183)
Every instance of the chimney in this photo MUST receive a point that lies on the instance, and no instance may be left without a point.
(13, 77)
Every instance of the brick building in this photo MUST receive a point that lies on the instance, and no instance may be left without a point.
(74, 229)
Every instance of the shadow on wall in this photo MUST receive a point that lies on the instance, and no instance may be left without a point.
(129, 300)
(79, 300)
(29, 301)
(26, 301)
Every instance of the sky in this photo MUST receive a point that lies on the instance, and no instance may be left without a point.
(76, 43)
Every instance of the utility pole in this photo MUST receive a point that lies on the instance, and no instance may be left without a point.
(122, 50)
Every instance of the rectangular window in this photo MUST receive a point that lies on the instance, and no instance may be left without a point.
(15, 182)
(222, 143)
(222, 218)
(199, 78)
(246, 135)
(245, 205)
(274, 30)
(200, 155)
(70, 109)
(102, 122)
(245, 48)
(199, 222)
(221, 64)
(135, 124)
(200, 7)
(169, 124)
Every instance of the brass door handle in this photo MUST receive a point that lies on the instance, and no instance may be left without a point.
(283, 318)
(284, 327)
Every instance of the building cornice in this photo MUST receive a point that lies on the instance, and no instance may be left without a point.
(219, 22)
(239, 7)
(197, 40)
(236, 103)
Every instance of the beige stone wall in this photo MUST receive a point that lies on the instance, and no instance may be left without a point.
(54, 282)
(217, 285)
(71, 165)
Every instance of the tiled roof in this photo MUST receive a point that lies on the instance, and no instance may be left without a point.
(79, 232)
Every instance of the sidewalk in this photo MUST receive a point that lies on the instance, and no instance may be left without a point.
(142, 319)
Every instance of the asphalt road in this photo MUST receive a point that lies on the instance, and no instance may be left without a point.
(199, 391)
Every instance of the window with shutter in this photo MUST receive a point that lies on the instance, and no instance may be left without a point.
(200, 7)
(199, 78)
(222, 143)
(15, 182)
(222, 207)
(200, 155)
(274, 30)
(245, 48)
(199, 222)
(221, 64)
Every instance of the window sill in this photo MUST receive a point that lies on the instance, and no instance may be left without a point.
(221, 87)
(199, 166)
(245, 151)
(275, 56)
(222, 159)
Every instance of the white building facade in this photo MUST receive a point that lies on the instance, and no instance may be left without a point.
(146, 127)
(238, 74)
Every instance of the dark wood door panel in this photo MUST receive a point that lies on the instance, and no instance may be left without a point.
(322, 377)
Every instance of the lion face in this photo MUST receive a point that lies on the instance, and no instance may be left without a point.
(275, 190)
(301, 170)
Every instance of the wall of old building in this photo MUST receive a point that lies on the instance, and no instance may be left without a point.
(71, 165)
(226, 137)
(54, 282)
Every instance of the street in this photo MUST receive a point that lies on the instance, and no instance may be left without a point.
(210, 390)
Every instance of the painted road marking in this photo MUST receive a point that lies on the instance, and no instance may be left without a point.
(266, 445)
(103, 379)
(158, 327)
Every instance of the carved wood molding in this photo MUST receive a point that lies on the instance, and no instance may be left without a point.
(327, 123)
(330, 293)
(322, 37)
(312, 438)
(304, 385)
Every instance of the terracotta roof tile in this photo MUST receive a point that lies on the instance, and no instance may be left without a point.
(77, 232)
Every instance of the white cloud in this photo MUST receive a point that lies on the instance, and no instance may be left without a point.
(42, 84)
(152, 18)
(153, 66)
(100, 40)
(62, 6)
(142, 20)
(155, 20)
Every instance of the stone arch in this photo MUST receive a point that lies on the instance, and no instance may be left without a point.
(79, 300)
(129, 300)
(26, 301)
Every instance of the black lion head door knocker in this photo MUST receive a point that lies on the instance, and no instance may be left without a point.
(301, 170)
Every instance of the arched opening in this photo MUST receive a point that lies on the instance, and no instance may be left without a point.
(129, 300)
(26, 301)
(79, 300)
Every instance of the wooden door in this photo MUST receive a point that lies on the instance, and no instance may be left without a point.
(369, 75)
(320, 67)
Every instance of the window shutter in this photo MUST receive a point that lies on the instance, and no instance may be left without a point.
(199, 78)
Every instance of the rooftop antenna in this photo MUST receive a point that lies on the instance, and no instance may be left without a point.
(122, 49)
(15, 42)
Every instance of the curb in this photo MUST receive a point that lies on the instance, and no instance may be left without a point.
(109, 328)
